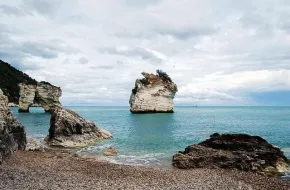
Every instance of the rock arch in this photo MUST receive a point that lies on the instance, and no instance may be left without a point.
(44, 94)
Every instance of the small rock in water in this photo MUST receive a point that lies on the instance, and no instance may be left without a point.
(111, 151)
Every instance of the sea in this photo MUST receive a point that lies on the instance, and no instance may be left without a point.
(152, 139)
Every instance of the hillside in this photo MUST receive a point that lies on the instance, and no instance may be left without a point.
(10, 77)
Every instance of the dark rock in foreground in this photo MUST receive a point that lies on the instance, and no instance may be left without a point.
(233, 151)
(68, 129)
(12, 134)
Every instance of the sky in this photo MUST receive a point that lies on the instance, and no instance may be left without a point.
(217, 52)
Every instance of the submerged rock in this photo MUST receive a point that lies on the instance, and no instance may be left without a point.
(233, 151)
(43, 94)
(111, 151)
(153, 93)
(12, 134)
(68, 129)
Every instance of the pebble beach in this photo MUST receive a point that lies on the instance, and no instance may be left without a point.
(62, 169)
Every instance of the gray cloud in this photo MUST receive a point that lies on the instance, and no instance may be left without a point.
(83, 60)
(213, 50)
(11, 10)
(186, 33)
(44, 7)
(136, 52)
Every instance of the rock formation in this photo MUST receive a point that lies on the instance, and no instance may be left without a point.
(68, 129)
(43, 94)
(12, 134)
(10, 77)
(27, 96)
(233, 151)
(47, 96)
(153, 93)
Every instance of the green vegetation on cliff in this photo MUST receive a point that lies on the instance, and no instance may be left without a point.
(10, 77)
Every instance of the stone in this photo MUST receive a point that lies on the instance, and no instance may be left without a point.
(43, 94)
(153, 94)
(33, 144)
(68, 129)
(233, 151)
(12, 133)
(111, 151)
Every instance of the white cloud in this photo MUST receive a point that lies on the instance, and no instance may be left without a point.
(218, 52)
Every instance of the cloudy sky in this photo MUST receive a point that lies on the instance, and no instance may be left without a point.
(218, 52)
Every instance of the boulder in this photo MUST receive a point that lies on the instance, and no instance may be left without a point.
(68, 129)
(12, 134)
(33, 144)
(153, 94)
(111, 151)
(233, 151)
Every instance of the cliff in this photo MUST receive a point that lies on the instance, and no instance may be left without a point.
(153, 94)
(10, 77)
(43, 94)
(12, 134)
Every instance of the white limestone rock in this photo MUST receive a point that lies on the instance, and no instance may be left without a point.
(43, 94)
(47, 96)
(153, 94)
(27, 96)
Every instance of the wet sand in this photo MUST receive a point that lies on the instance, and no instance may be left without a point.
(67, 170)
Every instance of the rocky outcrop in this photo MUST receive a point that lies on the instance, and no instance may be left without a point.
(43, 94)
(233, 151)
(27, 96)
(68, 129)
(153, 93)
(12, 134)
(10, 77)
(47, 96)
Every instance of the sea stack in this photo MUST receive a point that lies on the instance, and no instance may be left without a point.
(12, 133)
(44, 94)
(153, 94)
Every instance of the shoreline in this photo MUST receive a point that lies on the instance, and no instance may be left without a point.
(64, 169)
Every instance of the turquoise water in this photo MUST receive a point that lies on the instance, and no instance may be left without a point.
(152, 139)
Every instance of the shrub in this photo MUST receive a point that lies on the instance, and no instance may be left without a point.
(163, 75)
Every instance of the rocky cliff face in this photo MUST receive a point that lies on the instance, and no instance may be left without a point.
(47, 96)
(153, 93)
(12, 134)
(233, 151)
(68, 129)
(43, 94)
(27, 96)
